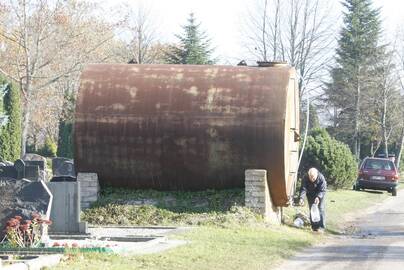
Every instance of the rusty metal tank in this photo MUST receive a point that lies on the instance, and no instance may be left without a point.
(187, 127)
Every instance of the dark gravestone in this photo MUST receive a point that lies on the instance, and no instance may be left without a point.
(23, 198)
(34, 159)
(32, 172)
(8, 171)
(64, 168)
(67, 168)
(56, 162)
(19, 166)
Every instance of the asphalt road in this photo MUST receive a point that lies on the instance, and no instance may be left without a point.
(378, 243)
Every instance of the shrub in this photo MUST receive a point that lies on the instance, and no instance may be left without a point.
(332, 158)
(49, 149)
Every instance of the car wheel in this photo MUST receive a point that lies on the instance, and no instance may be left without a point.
(357, 187)
(394, 192)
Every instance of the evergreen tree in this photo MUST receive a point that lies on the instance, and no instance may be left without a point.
(10, 133)
(193, 48)
(353, 76)
(65, 136)
(65, 140)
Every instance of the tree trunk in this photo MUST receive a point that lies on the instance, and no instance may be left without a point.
(264, 31)
(384, 127)
(372, 154)
(24, 134)
(357, 119)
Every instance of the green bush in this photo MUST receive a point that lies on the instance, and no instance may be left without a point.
(49, 149)
(332, 158)
(10, 134)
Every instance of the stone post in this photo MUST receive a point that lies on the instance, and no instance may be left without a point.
(258, 198)
(89, 188)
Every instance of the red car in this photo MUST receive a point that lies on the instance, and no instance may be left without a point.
(378, 174)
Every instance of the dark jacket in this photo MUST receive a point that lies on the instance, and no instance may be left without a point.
(313, 189)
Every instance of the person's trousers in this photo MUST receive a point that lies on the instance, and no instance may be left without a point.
(321, 206)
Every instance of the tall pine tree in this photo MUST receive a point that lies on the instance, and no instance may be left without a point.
(10, 133)
(194, 47)
(352, 77)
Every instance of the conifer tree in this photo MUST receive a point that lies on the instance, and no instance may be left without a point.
(10, 133)
(353, 75)
(193, 48)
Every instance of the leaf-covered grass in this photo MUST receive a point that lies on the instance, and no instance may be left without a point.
(175, 201)
(125, 207)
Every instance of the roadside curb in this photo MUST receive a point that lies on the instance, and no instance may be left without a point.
(35, 264)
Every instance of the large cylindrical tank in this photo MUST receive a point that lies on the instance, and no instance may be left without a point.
(187, 127)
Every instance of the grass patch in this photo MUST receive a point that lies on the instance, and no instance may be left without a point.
(209, 248)
(231, 236)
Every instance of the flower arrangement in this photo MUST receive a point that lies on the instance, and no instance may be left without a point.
(25, 233)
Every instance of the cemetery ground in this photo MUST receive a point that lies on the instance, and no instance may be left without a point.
(224, 234)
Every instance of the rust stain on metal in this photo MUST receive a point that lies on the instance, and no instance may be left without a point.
(171, 127)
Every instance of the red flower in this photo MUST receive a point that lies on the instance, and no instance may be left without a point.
(56, 244)
(12, 222)
(24, 227)
(66, 245)
(75, 245)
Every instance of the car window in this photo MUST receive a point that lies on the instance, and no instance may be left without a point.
(377, 164)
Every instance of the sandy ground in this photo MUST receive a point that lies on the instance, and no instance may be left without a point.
(378, 243)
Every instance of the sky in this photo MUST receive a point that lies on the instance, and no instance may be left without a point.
(223, 19)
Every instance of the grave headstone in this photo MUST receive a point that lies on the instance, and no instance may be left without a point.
(35, 159)
(19, 166)
(33, 173)
(57, 161)
(8, 171)
(23, 198)
(63, 167)
(67, 200)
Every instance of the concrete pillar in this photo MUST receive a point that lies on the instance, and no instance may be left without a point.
(258, 198)
(89, 188)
